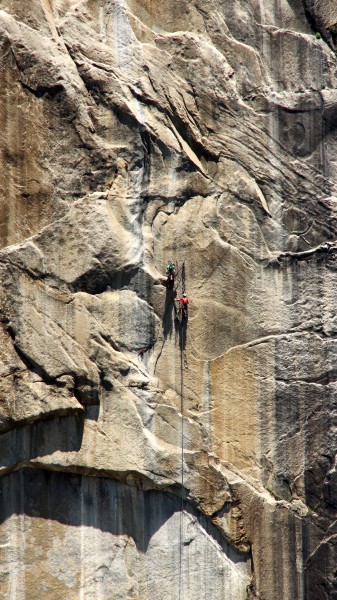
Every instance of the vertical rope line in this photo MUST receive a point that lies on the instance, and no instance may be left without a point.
(183, 282)
(181, 586)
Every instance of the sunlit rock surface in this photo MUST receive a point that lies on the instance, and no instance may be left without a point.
(141, 457)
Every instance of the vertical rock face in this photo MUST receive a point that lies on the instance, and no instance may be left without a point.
(142, 455)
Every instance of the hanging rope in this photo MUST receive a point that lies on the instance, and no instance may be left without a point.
(183, 279)
(181, 585)
(177, 276)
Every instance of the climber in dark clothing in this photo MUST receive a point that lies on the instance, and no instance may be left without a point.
(170, 272)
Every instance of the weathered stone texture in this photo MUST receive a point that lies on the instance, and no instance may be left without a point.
(133, 132)
(109, 540)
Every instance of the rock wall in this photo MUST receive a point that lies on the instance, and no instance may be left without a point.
(143, 456)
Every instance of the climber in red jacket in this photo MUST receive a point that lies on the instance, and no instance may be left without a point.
(183, 305)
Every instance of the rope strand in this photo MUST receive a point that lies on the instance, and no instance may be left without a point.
(181, 585)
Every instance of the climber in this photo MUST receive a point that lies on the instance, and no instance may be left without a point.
(170, 273)
(183, 305)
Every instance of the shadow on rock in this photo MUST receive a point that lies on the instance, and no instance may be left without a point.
(169, 311)
(102, 503)
(41, 438)
(180, 323)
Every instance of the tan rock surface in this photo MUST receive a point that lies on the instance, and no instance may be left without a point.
(142, 457)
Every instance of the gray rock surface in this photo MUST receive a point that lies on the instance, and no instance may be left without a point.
(141, 456)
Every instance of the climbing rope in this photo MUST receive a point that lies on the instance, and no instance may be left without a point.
(180, 275)
(183, 279)
(180, 279)
(181, 585)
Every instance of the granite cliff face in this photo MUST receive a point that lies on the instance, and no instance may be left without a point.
(143, 457)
